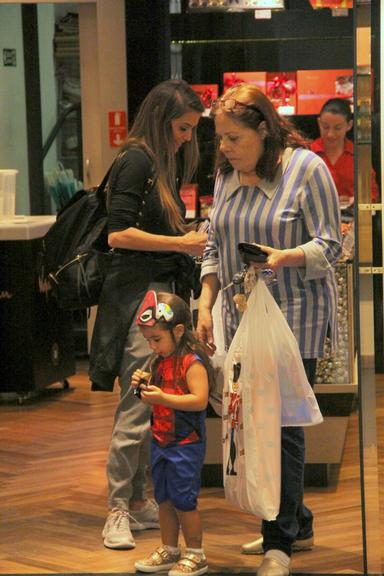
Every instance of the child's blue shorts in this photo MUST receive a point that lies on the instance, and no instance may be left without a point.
(176, 474)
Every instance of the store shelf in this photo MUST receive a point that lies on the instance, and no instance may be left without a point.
(350, 388)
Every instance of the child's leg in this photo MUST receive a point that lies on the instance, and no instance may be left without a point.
(193, 562)
(169, 524)
(191, 527)
(183, 486)
(167, 554)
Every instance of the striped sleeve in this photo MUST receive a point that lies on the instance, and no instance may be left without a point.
(321, 211)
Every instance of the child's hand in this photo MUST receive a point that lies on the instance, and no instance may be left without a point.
(151, 395)
(138, 376)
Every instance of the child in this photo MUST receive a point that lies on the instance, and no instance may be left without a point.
(177, 388)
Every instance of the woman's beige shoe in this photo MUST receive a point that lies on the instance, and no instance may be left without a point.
(269, 567)
(256, 546)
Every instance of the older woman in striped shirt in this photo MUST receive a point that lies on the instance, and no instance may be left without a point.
(271, 190)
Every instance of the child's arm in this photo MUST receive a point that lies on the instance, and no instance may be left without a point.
(197, 399)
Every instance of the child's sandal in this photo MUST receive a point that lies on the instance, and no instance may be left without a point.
(158, 561)
(190, 565)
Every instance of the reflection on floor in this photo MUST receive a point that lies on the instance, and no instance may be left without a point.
(53, 503)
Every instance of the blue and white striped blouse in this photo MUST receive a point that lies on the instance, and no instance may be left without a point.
(299, 208)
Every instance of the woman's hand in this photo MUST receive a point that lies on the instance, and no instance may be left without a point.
(204, 331)
(278, 259)
(193, 243)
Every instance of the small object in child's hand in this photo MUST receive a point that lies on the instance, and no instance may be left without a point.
(137, 389)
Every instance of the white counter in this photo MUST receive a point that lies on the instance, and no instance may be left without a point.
(25, 227)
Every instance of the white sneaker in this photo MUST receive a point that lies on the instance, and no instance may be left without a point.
(146, 517)
(117, 533)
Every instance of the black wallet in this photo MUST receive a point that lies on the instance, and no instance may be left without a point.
(251, 253)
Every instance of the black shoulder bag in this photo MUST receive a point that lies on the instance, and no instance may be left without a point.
(75, 254)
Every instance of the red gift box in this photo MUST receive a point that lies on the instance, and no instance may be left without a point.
(315, 87)
(234, 78)
(331, 3)
(189, 195)
(208, 93)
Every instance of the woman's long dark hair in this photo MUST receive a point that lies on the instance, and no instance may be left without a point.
(152, 129)
(188, 343)
(280, 133)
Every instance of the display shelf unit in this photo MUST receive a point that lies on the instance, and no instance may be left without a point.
(336, 390)
(36, 348)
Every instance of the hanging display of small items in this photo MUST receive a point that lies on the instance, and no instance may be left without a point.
(315, 87)
(337, 368)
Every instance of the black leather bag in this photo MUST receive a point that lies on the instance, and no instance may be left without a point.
(77, 284)
(75, 254)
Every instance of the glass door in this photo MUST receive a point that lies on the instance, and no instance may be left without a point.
(213, 49)
(369, 275)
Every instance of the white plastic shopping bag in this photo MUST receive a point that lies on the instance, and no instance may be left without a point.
(265, 387)
(299, 406)
(251, 418)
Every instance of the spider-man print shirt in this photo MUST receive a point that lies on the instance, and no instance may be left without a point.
(170, 426)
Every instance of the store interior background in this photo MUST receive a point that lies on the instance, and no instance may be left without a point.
(200, 47)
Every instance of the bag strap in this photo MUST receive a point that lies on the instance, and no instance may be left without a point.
(100, 192)
(149, 183)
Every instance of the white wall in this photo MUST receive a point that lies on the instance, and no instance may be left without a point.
(13, 128)
(13, 134)
(103, 78)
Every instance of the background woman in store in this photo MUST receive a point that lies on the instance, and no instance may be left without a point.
(335, 121)
(152, 250)
(272, 191)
